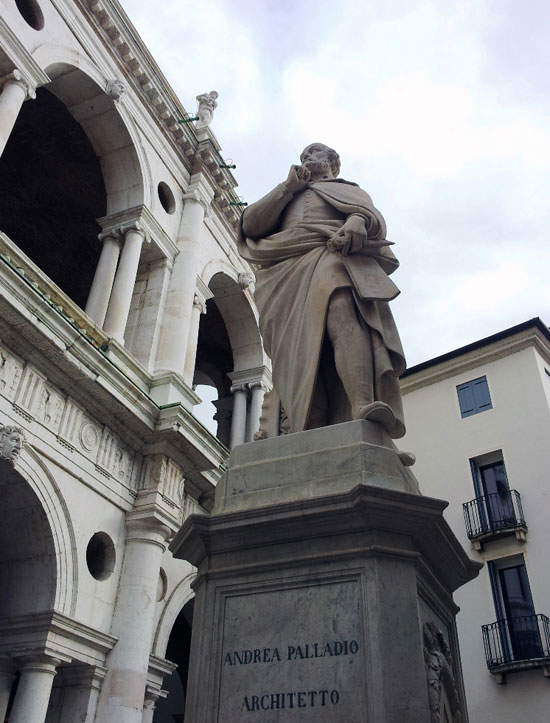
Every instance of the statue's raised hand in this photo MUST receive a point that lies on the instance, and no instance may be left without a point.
(298, 178)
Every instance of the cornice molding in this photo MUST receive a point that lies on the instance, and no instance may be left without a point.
(53, 634)
(20, 56)
(476, 358)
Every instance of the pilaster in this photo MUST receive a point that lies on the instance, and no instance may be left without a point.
(180, 316)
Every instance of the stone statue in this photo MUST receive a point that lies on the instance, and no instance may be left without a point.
(11, 442)
(207, 106)
(322, 289)
(439, 671)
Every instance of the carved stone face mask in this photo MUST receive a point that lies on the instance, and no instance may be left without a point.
(10, 445)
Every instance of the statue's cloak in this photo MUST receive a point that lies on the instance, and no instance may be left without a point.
(294, 283)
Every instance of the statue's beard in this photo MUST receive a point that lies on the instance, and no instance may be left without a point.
(318, 169)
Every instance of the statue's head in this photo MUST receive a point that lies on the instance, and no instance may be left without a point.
(11, 442)
(321, 160)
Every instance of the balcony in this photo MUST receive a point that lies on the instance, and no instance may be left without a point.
(494, 515)
(517, 644)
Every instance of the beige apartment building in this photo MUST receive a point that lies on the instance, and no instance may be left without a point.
(478, 421)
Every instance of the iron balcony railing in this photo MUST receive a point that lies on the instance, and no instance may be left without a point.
(517, 640)
(493, 513)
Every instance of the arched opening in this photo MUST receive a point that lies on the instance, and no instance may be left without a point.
(69, 161)
(28, 570)
(51, 192)
(229, 355)
(172, 708)
(214, 362)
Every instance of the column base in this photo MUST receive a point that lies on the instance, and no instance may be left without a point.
(329, 603)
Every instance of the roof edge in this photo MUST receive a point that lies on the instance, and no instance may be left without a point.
(536, 322)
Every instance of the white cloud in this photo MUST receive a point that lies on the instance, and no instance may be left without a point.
(430, 113)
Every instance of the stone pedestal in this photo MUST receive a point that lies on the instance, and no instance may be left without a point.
(324, 587)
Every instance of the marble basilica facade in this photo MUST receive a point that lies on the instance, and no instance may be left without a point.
(121, 290)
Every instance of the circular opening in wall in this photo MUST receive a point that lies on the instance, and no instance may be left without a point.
(100, 556)
(31, 12)
(166, 197)
(162, 585)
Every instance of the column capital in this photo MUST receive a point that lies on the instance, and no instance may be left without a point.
(148, 529)
(239, 388)
(112, 233)
(137, 227)
(152, 695)
(39, 663)
(199, 302)
(200, 191)
(257, 384)
(16, 77)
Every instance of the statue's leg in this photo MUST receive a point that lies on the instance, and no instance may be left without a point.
(352, 350)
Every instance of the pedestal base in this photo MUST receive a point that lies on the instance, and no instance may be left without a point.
(315, 609)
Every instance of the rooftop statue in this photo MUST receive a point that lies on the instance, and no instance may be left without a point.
(207, 105)
(322, 290)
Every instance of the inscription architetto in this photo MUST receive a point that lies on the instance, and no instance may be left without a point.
(290, 668)
(291, 653)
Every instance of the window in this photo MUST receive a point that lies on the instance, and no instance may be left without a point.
(514, 604)
(474, 397)
(496, 506)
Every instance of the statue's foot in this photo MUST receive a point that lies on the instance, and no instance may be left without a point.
(382, 413)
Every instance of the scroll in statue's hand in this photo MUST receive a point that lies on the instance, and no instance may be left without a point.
(298, 178)
(352, 238)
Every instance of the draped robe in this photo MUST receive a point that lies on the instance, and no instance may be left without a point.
(296, 277)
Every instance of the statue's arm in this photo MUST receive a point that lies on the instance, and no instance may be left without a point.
(260, 218)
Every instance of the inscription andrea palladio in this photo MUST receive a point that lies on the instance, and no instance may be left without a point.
(289, 654)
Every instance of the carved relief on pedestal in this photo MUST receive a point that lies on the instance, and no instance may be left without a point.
(442, 688)
(12, 440)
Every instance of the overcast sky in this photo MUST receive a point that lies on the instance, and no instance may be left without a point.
(439, 109)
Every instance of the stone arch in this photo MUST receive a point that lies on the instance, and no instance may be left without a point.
(179, 597)
(239, 314)
(32, 471)
(81, 86)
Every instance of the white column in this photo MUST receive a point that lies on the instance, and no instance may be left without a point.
(100, 292)
(151, 698)
(238, 422)
(7, 676)
(15, 91)
(178, 308)
(33, 691)
(122, 695)
(257, 390)
(199, 308)
(123, 286)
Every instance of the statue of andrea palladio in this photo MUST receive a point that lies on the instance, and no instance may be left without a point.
(322, 264)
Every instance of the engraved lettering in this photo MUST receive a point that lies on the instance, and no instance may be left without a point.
(291, 700)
